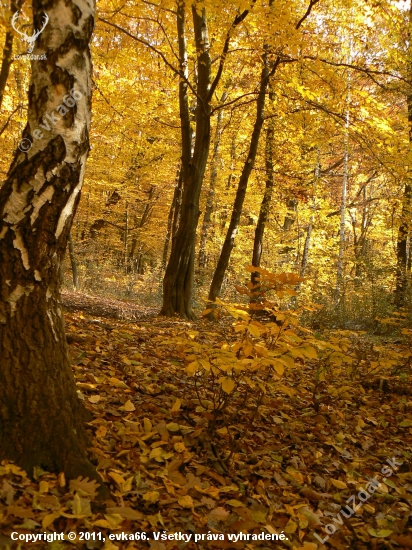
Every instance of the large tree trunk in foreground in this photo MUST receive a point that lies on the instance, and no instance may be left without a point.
(223, 262)
(41, 417)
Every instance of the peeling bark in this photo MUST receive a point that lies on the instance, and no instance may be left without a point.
(41, 416)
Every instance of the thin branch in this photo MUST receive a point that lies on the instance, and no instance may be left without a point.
(155, 50)
(106, 100)
(302, 19)
(9, 119)
(158, 6)
(144, 42)
(365, 70)
(238, 19)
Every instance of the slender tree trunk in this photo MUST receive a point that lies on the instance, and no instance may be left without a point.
(290, 217)
(403, 231)
(306, 247)
(126, 235)
(359, 241)
(211, 193)
(73, 263)
(223, 262)
(401, 248)
(339, 277)
(265, 205)
(41, 416)
(7, 51)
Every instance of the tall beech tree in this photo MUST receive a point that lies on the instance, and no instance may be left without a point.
(265, 204)
(179, 275)
(41, 416)
(229, 243)
(266, 74)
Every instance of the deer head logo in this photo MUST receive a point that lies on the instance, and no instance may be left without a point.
(29, 39)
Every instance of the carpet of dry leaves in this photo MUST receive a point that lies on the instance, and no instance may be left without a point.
(294, 472)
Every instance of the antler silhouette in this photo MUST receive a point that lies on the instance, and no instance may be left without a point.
(29, 39)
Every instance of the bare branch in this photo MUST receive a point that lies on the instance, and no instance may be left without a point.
(302, 19)
(238, 19)
(155, 50)
(9, 119)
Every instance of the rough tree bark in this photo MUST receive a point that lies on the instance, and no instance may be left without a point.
(7, 51)
(41, 417)
(265, 205)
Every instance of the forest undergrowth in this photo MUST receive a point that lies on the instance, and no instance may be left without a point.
(249, 424)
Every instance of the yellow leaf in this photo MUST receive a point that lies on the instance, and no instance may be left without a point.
(235, 503)
(48, 520)
(151, 497)
(118, 479)
(339, 484)
(94, 399)
(117, 383)
(176, 405)
(227, 385)
(102, 431)
(180, 447)
(279, 368)
(147, 425)
(185, 501)
(222, 431)
(43, 487)
(192, 367)
(290, 527)
(285, 389)
(81, 506)
(380, 533)
(173, 427)
(310, 352)
(156, 452)
(129, 407)
(254, 330)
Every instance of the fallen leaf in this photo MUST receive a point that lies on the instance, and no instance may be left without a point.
(185, 501)
(129, 407)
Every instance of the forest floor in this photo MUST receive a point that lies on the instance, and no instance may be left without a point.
(292, 474)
